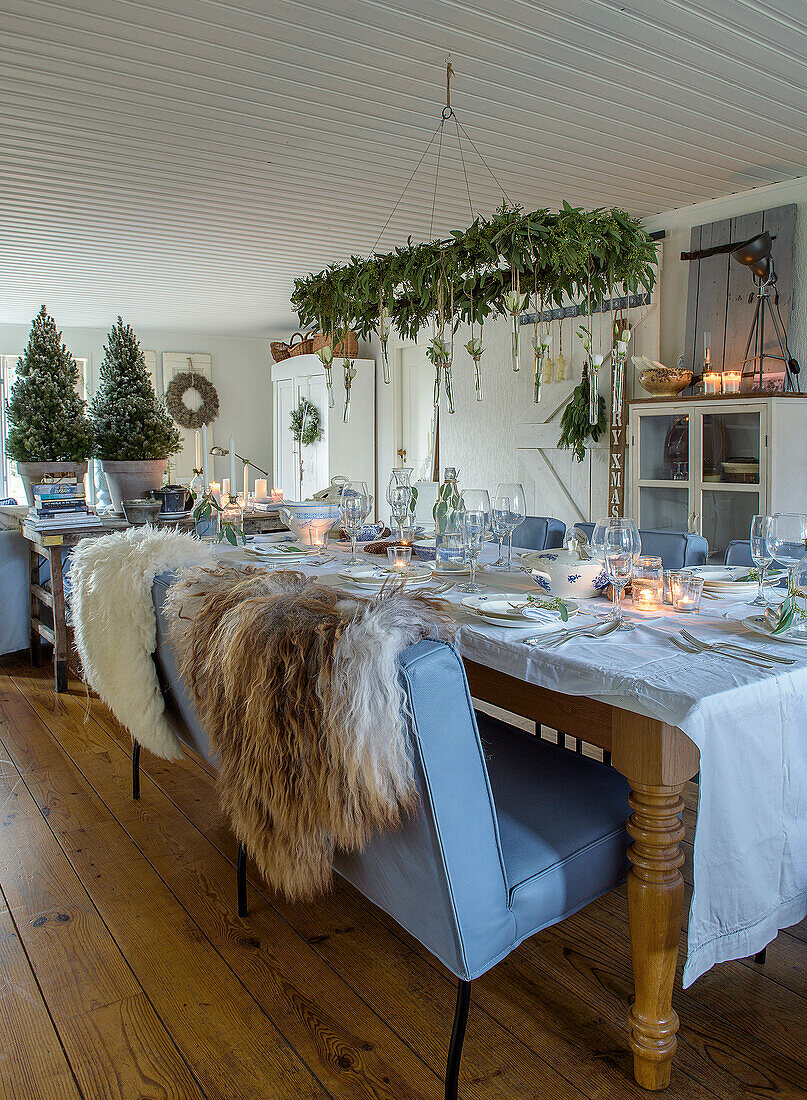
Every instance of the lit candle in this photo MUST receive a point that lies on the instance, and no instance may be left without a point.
(731, 381)
(198, 465)
(261, 488)
(399, 558)
(215, 491)
(277, 494)
(233, 474)
(205, 456)
(711, 384)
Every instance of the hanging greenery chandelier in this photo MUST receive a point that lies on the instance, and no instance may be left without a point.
(556, 256)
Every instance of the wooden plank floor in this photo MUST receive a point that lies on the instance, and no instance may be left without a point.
(126, 972)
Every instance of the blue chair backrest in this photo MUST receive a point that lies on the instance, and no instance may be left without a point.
(441, 875)
(738, 552)
(675, 548)
(7, 501)
(539, 533)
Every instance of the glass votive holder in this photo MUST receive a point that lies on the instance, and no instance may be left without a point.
(687, 594)
(408, 533)
(712, 384)
(399, 557)
(647, 584)
(731, 381)
(672, 578)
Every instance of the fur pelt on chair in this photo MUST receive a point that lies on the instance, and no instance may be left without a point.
(297, 684)
(116, 628)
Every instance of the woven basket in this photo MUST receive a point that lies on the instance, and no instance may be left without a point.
(281, 351)
(348, 348)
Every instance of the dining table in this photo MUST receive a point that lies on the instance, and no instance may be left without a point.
(664, 714)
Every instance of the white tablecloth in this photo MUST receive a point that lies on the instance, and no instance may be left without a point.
(750, 725)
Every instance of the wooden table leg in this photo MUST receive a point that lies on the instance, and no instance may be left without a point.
(657, 759)
(34, 641)
(655, 905)
(59, 618)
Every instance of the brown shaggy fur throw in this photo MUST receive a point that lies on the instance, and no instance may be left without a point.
(297, 684)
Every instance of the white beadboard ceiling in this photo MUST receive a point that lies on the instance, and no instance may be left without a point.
(181, 161)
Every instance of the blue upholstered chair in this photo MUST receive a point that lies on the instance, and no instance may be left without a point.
(514, 833)
(675, 548)
(539, 533)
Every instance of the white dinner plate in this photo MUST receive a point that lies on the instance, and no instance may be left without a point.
(368, 576)
(724, 578)
(443, 571)
(759, 626)
(495, 608)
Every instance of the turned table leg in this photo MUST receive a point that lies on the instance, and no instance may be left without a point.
(655, 903)
(656, 759)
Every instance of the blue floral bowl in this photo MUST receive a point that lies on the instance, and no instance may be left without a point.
(568, 574)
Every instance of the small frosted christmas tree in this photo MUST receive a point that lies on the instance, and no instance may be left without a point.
(47, 417)
(129, 421)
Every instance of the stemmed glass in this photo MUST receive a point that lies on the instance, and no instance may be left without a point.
(354, 508)
(500, 531)
(618, 539)
(474, 521)
(400, 498)
(761, 529)
(509, 510)
(787, 541)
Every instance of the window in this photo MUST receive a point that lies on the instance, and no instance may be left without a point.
(10, 481)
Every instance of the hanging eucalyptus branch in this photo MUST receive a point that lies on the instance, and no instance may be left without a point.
(575, 424)
(567, 254)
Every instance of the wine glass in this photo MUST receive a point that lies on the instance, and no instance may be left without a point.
(500, 531)
(354, 508)
(787, 541)
(474, 522)
(761, 553)
(509, 509)
(621, 545)
(400, 498)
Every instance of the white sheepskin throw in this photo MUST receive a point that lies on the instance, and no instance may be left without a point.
(116, 628)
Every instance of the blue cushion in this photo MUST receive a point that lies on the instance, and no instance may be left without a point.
(561, 822)
(539, 533)
(675, 548)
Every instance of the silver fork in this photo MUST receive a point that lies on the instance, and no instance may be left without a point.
(687, 647)
(747, 651)
(558, 638)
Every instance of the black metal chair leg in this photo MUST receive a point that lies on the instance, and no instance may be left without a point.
(457, 1039)
(241, 874)
(135, 769)
(761, 956)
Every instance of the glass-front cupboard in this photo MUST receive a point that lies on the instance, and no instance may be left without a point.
(709, 464)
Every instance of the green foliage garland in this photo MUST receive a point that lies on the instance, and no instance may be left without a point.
(129, 421)
(47, 417)
(567, 254)
(575, 428)
(313, 426)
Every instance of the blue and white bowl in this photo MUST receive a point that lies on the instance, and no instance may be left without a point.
(425, 549)
(307, 516)
(564, 573)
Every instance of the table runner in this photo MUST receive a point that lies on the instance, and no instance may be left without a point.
(750, 725)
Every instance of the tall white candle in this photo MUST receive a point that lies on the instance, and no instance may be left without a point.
(205, 456)
(198, 464)
(225, 487)
(261, 488)
(246, 484)
(233, 474)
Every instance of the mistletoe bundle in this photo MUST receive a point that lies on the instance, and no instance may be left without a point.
(46, 415)
(129, 421)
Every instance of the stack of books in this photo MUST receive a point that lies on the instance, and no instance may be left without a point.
(60, 505)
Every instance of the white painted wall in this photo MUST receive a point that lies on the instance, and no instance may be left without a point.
(241, 374)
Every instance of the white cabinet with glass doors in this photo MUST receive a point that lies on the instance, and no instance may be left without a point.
(709, 464)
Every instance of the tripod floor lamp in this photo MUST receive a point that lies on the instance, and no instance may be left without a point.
(755, 254)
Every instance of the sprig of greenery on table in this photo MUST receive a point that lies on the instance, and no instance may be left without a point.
(228, 531)
(555, 604)
(786, 613)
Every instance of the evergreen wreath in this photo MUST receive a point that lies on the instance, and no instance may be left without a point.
(313, 425)
(187, 417)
